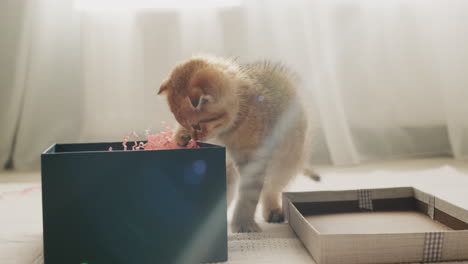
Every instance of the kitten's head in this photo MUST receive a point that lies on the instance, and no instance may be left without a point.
(200, 94)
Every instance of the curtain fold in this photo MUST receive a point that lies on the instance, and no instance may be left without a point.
(47, 80)
(15, 32)
(382, 79)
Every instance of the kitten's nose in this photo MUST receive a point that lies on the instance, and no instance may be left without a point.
(196, 127)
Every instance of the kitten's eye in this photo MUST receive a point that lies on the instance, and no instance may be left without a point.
(200, 100)
(203, 101)
(196, 127)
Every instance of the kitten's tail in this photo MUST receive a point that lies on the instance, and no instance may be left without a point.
(311, 173)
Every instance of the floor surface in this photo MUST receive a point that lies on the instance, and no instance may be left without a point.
(20, 207)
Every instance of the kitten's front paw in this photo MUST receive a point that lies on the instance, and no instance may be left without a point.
(245, 227)
(275, 216)
(181, 137)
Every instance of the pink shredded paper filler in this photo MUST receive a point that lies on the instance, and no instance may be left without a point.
(4, 195)
(162, 140)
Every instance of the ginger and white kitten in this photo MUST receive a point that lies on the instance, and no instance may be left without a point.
(255, 112)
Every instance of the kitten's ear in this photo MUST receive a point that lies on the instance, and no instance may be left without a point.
(164, 87)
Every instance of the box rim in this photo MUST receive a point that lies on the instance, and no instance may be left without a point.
(48, 150)
(290, 195)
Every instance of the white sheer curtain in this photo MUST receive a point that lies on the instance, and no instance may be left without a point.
(385, 79)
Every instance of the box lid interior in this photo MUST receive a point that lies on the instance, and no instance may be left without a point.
(394, 210)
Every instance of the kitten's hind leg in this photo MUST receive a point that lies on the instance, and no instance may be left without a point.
(272, 210)
(277, 177)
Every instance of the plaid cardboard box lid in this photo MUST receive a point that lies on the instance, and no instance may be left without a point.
(450, 243)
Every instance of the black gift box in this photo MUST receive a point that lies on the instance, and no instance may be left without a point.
(133, 207)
